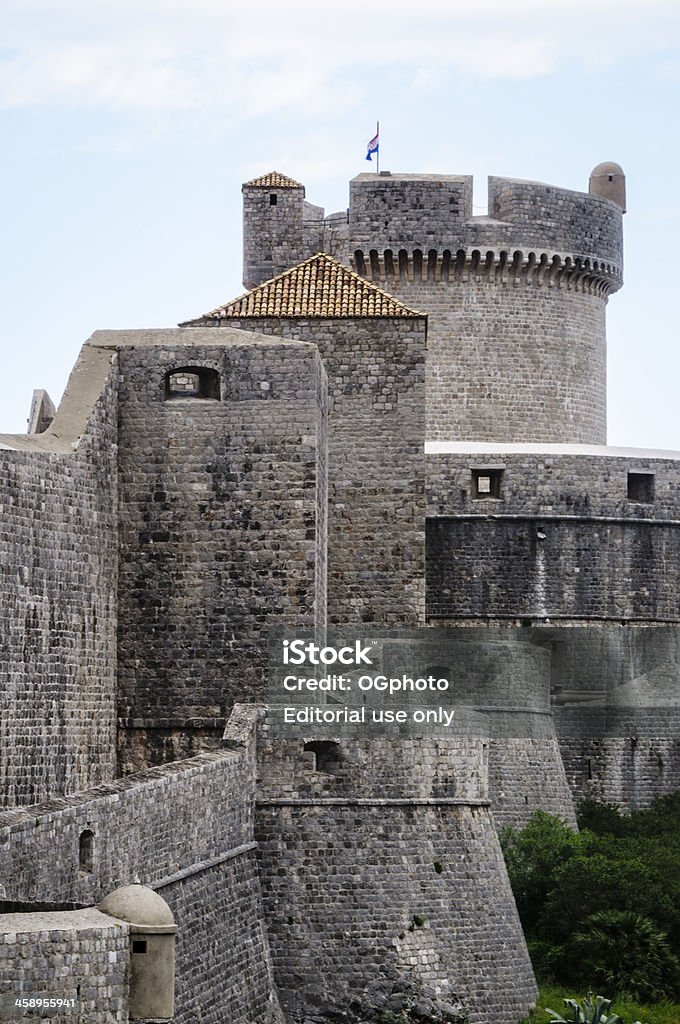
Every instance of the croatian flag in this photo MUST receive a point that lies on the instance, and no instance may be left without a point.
(373, 145)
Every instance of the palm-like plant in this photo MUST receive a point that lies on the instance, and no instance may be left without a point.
(593, 1010)
(624, 952)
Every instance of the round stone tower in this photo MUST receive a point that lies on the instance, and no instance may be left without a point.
(516, 299)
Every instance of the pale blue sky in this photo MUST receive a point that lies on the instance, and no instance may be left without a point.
(128, 129)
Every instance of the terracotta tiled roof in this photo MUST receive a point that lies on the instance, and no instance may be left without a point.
(319, 287)
(273, 180)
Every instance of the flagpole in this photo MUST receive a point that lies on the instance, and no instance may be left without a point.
(377, 132)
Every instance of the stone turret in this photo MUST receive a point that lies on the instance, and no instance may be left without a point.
(272, 225)
(516, 300)
(609, 181)
(278, 226)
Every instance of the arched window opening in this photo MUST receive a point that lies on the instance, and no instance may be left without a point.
(192, 382)
(86, 852)
(322, 756)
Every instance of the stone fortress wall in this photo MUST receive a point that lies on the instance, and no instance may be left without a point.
(185, 830)
(223, 527)
(376, 473)
(367, 893)
(202, 476)
(541, 264)
(505, 676)
(59, 595)
(91, 954)
(573, 532)
(188, 828)
(581, 542)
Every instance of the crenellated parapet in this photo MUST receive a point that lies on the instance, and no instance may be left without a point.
(422, 212)
(515, 299)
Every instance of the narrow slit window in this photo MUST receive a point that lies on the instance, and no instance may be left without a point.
(641, 487)
(192, 382)
(487, 483)
(273, 199)
(86, 852)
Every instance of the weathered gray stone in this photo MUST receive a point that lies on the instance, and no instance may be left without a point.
(199, 486)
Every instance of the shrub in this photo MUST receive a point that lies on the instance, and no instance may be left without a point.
(603, 819)
(626, 953)
(546, 959)
(602, 906)
(628, 863)
(637, 874)
(661, 818)
(532, 857)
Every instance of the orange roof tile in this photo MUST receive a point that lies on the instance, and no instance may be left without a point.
(273, 180)
(319, 287)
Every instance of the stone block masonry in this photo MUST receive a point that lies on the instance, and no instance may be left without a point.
(530, 570)
(511, 360)
(81, 955)
(370, 912)
(565, 536)
(382, 876)
(516, 300)
(629, 771)
(222, 505)
(376, 427)
(184, 829)
(432, 211)
(504, 675)
(552, 479)
(200, 486)
(58, 514)
(147, 826)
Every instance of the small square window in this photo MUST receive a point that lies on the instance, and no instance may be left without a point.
(486, 483)
(192, 382)
(139, 945)
(325, 755)
(641, 487)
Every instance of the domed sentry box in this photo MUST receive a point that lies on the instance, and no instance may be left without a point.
(152, 952)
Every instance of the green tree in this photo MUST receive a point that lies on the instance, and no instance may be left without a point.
(532, 857)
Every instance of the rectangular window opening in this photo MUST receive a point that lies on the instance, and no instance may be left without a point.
(487, 483)
(273, 199)
(641, 487)
(139, 945)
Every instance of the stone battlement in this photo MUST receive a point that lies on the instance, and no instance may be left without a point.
(406, 214)
(435, 212)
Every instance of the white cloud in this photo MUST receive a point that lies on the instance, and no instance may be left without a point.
(212, 56)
